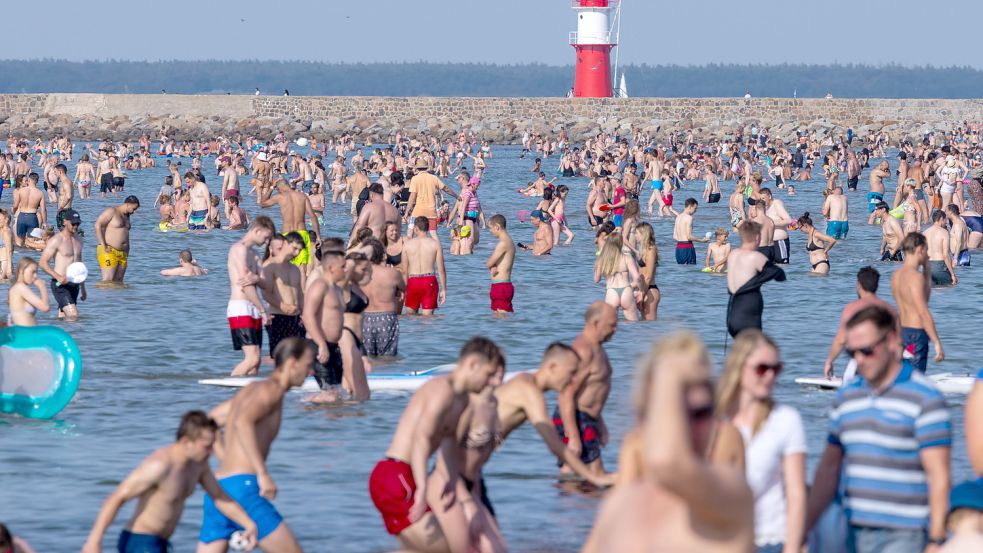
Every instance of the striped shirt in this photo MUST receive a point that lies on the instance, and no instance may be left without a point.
(882, 434)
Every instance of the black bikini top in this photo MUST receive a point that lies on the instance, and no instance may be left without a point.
(394, 260)
(356, 303)
(812, 246)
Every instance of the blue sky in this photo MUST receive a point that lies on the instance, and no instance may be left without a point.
(492, 31)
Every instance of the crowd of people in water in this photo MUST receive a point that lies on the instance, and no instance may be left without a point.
(707, 467)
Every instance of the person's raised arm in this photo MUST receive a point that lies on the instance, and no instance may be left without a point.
(149, 474)
(38, 302)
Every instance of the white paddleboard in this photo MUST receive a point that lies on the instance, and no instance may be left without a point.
(947, 383)
(377, 382)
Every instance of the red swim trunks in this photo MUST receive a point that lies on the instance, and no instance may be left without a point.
(391, 486)
(667, 199)
(421, 292)
(501, 295)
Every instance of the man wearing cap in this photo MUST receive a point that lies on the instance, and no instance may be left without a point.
(113, 233)
(423, 196)
(965, 520)
(66, 248)
(376, 213)
(542, 239)
(892, 234)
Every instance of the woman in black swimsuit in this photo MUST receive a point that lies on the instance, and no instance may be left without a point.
(818, 245)
(648, 260)
(357, 270)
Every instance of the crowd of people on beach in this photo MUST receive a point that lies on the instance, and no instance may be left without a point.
(707, 467)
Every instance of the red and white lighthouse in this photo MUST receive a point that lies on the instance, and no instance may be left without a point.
(593, 41)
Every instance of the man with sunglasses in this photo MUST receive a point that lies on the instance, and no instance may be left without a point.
(890, 437)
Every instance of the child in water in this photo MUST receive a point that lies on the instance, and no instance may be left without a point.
(456, 240)
(717, 253)
(166, 212)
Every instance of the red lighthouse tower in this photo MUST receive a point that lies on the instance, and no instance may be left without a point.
(593, 42)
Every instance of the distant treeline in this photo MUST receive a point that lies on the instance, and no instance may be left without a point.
(475, 79)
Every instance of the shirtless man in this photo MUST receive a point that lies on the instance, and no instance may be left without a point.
(756, 214)
(357, 182)
(105, 171)
(835, 209)
(424, 257)
(939, 255)
(867, 281)
(653, 173)
(283, 292)
(911, 290)
(682, 233)
(420, 517)
(385, 292)
(66, 248)
(891, 233)
(577, 418)
(684, 502)
(237, 217)
(423, 197)
(251, 421)
(113, 234)
(376, 213)
(775, 210)
(187, 267)
(66, 190)
(748, 268)
(295, 209)
(323, 317)
(230, 184)
(542, 238)
(29, 207)
(523, 399)
(163, 481)
(245, 311)
(852, 171)
(958, 236)
(499, 266)
(877, 176)
(200, 201)
(711, 192)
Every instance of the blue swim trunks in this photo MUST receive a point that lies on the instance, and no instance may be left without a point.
(656, 185)
(873, 198)
(617, 220)
(244, 489)
(197, 219)
(838, 229)
(141, 543)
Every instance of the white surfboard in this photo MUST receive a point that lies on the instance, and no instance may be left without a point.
(947, 383)
(377, 382)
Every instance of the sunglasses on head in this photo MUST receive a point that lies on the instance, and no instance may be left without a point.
(762, 368)
(865, 351)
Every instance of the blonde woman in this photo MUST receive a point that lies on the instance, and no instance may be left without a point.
(774, 440)
(621, 276)
(648, 261)
(670, 495)
(21, 299)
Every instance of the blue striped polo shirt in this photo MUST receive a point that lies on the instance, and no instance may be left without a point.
(881, 434)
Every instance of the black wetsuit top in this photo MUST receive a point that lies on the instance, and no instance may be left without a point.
(746, 305)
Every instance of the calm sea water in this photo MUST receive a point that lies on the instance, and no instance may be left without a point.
(145, 347)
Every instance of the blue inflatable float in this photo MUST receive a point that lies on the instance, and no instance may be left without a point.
(40, 370)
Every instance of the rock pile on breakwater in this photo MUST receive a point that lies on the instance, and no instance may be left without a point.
(500, 120)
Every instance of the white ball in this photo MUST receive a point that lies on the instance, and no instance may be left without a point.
(709, 235)
(77, 272)
(237, 542)
(302, 142)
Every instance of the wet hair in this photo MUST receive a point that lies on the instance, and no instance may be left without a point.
(193, 423)
(691, 202)
(484, 348)
(23, 265)
(868, 278)
(185, 256)
(263, 222)
(805, 219)
(233, 199)
(293, 347)
(559, 348)
(497, 219)
(913, 241)
(953, 209)
(61, 167)
(729, 383)
(880, 316)
(939, 215)
(294, 237)
(421, 223)
(749, 230)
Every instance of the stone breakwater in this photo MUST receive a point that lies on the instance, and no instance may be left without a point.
(500, 120)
